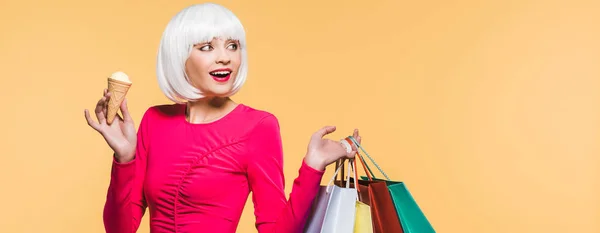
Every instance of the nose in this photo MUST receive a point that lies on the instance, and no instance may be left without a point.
(223, 57)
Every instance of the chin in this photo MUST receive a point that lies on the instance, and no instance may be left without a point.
(219, 91)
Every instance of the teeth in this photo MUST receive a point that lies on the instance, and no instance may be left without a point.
(221, 72)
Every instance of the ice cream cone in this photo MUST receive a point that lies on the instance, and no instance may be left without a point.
(118, 90)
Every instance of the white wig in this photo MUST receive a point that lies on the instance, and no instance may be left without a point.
(195, 24)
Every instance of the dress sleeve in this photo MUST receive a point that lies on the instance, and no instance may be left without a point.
(275, 214)
(125, 204)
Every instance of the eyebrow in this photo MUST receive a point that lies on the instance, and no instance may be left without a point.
(202, 43)
(210, 42)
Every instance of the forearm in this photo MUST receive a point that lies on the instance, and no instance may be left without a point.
(124, 206)
(297, 208)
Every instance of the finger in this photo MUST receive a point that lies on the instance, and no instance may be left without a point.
(100, 110)
(108, 96)
(353, 148)
(324, 131)
(105, 108)
(122, 125)
(117, 122)
(119, 117)
(90, 121)
(356, 135)
(351, 155)
(125, 111)
(353, 144)
(353, 151)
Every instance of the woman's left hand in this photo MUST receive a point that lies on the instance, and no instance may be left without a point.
(322, 152)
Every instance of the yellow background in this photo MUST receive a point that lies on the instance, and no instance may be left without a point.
(488, 110)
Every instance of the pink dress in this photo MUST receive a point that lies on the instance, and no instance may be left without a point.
(197, 177)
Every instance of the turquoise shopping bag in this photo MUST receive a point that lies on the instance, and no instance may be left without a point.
(412, 218)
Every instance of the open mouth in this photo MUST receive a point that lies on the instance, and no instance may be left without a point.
(220, 73)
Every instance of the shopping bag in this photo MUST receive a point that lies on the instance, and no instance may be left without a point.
(319, 207)
(363, 221)
(412, 218)
(410, 213)
(363, 192)
(341, 210)
(314, 222)
(385, 218)
(334, 209)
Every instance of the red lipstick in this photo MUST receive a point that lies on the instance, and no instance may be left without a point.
(221, 75)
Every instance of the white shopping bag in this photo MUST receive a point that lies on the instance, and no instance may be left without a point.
(319, 208)
(341, 208)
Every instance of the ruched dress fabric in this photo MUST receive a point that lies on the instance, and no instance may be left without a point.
(196, 178)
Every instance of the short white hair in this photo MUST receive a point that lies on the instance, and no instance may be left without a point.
(195, 24)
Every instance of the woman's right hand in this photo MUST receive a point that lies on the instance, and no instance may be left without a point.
(120, 135)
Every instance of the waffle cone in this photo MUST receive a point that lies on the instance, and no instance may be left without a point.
(118, 90)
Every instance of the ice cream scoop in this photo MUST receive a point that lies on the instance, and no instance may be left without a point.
(120, 76)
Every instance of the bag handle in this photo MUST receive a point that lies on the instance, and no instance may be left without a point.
(353, 167)
(362, 162)
(337, 170)
(333, 178)
(365, 167)
(348, 174)
(351, 162)
(366, 153)
(340, 164)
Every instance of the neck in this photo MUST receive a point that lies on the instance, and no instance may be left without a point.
(208, 109)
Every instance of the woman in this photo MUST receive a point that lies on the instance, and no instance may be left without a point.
(193, 163)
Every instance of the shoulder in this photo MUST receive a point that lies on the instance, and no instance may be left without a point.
(163, 111)
(262, 134)
(256, 123)
(258, 118)
(159, 113)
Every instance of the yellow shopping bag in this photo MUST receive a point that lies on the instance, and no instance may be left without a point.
(362, 220)
(363, 223)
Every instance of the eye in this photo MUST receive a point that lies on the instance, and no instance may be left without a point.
(232, 46)
(205, 48)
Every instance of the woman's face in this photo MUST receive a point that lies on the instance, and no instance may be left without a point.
(213, 66)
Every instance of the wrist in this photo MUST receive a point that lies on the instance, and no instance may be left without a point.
(315, 162)
(122, 159)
